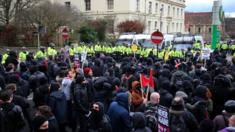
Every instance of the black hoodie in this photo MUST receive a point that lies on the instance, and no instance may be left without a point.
(98, 121)
(139, 123)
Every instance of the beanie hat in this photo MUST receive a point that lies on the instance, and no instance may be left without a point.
(86, 70)
(201, 91)
(181, 94)
(38, 121)
(177, 104)
(229, 106)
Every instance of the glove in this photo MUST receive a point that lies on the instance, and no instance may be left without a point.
(89, 113)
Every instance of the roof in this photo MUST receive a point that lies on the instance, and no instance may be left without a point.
(198, 18)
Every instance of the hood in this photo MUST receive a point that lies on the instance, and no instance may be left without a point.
(58, 95)
(139, 120)
(97, 116)
(101, 106)
(7, 106)
(179, 73)
(122, 99)
(201, 91)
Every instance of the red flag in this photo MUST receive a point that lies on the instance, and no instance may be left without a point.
(144, 81)
(151, 80)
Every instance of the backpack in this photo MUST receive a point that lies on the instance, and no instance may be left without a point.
(151, 118)
(177, 123)
(13, 119)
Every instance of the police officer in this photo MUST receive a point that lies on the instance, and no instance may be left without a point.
(41, 54)
(23, 54)
(197, 45)
(5, 56)
(51, 50)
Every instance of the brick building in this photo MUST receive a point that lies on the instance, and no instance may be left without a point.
(230, 27)
(199, 23)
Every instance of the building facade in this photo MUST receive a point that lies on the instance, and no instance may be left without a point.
(199, 23)
(230, 27)
(164, 15)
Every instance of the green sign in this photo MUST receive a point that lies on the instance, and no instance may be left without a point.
(214, 36)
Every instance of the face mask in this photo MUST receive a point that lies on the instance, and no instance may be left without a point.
(44, 130)
(96, 114)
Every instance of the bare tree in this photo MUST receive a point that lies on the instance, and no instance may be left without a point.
(11, 8)
(51, 16)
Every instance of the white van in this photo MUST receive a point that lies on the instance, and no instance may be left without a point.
(186, 41)
(144, 40)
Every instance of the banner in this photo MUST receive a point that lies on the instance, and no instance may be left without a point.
(163, 119)
(145, 81)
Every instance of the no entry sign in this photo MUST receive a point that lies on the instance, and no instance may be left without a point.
(157, 37)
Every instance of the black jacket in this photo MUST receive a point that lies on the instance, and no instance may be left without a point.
(166, 98)
(81, 98)
(40, 96)
(98, 121)
(13, 118)
(189, 119)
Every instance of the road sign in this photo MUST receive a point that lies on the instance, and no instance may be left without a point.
(65, 33)
(134, 47)
(157, 37)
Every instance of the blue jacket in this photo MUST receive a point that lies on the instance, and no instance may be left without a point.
(57, 102)
(119, 114)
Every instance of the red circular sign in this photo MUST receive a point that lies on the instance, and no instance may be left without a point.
(65, 33)
(157, 37)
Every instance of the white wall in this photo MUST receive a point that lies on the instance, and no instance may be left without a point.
(126, 10)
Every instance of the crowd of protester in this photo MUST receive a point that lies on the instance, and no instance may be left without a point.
(103, 93)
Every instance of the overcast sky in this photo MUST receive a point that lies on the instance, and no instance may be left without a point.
(206, 5)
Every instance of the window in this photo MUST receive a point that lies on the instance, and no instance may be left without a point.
(137, 5)
(162, 10)
(168, 11)
(177, 12)
(209, 30)
(155, 26)
(149, 26)
(182, 12)
(110, 4)
(88, 5)
(156, 8)
(173, 12)
(189, 30)
(173, 27)
(150, 7)
(177, 27)
(199, 30)
(161, 26)
(181, 26)
(67, 4)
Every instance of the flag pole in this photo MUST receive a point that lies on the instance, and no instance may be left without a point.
(147, 94)
(142, 92)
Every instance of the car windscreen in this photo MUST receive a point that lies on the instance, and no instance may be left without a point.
(148, 44)
(182, 46)
(124, 41)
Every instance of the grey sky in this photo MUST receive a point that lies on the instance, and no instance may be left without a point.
(206, 5)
